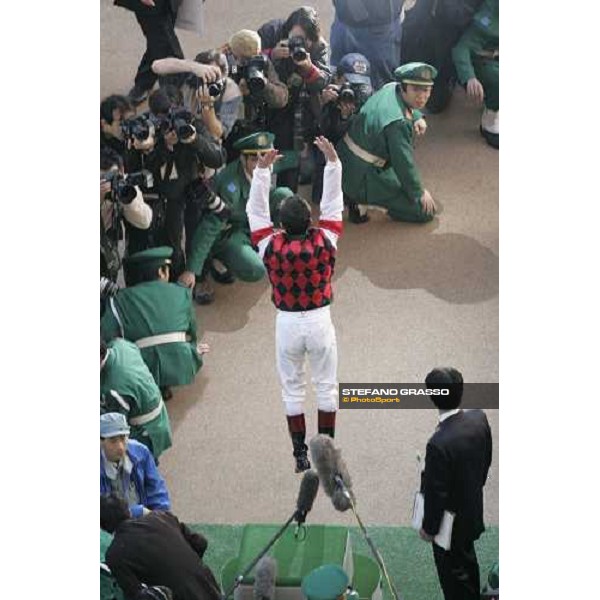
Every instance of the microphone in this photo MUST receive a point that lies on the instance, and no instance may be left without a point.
(332, 472)
(306, 495)
(264, 579)
(337, 484)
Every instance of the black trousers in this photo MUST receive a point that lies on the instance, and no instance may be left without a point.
(458, 571)
(161, 42)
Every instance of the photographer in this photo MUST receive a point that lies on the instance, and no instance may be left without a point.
(113, 111)
(185, 148)
(218, 101)
(120, 201)
(340, 100)
(259, 84)
(300, 56)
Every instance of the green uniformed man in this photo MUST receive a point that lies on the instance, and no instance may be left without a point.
(234, 249)
(476, 58)
(377, 151)
(159, 317)
(328, 582)
(127, 387)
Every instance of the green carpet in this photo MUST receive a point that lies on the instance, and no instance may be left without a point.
(409, 560)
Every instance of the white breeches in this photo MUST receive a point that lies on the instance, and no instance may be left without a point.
(299, 335)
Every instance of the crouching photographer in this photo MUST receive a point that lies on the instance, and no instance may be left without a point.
(340, 101)
(121, 204)
(205, 218)
(300, 56)
(259, 83)
(206, 89)
(188, 157)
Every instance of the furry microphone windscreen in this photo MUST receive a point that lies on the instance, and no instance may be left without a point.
(308, 491)
(264, 579)
(328, 461)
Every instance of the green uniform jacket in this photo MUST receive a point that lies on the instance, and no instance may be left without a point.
(126, 374)
(382, 128)
(482, 35)
(232, 185)
(154, 308)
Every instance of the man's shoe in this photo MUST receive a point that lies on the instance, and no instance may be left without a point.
(137, 95)
(204, 292)
(492, 139)
(355, 216)
(224, 277)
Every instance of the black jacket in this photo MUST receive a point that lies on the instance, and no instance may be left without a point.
(158, 549)
(141, 9)
(458, 458)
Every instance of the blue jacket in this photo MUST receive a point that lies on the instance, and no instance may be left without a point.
(148, 482)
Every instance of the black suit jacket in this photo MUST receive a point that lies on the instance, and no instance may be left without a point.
(456, 467)
(157, 549)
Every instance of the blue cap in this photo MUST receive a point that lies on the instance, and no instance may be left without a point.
(356, 68)
(112, 425)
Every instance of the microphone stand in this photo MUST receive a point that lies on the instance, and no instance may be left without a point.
(374, 551)
(240, 578)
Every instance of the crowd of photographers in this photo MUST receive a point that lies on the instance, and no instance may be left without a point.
(161, 167)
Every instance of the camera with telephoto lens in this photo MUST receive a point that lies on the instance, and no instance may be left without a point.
(180, 120)
(137, 128)
(253, 72)
(214, 89)
(122, 187)
(296, 44)
(199, 193)
(353, 93)
(346, 93)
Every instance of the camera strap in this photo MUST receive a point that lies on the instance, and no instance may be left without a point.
(115, 313)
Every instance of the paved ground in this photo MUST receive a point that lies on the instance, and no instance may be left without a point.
(408, 298)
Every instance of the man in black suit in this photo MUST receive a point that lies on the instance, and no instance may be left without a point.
(457, 461)
(157, 20)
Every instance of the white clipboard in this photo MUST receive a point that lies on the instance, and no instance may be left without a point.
(444, 535)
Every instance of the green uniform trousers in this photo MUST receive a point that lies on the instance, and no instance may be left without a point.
(488, 73)
(236, 252)
(383, 188)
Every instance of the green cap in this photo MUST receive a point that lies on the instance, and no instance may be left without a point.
(260, 141)
(154, 257)
(280, 194)
(416, 73)
(328, 582)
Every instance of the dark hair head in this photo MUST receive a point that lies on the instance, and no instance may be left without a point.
(209, 57)
(109, 158)
(308, 18)
(294, 214)
(162, 99)
(103, 350)
(113, 511)
(445, 378)
(112, 103)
